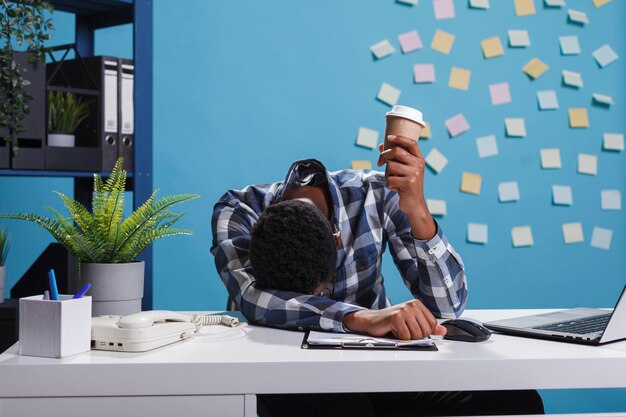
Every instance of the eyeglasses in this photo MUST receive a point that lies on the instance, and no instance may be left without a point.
(329, 291)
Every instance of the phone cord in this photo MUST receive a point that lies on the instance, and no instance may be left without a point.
(210, 320)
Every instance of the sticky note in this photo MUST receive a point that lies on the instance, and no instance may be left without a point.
(602, 99)
(436, 207)
(601, 238)
(562, 195)
(547, 100)
(573, 79)
(522, 236)
(519, 38)
(436, 160)
(587, 164)
(442, 42)
(367, 138)
(535, 68)
(409, 2)
(500, 93)
(604, 55)
(492, 47)
(554, 3)
(577, 17)
(426, 133)
(444, 9)
(578, 118)
(487, 146)
(424, 73)
(515, 127)
(569, 45)
(356, 164)
(613, 142)
(388, 94)
(524, 8)
(479, 4)
(459, 78)
(410, 42)
(470, 183)
(611, 199)
(551, 158)
(508, 191)
(477, 233)
(382, 49)
(457, 125)
(573, 233)
(600, 3)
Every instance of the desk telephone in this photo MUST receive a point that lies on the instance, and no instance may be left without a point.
(148, 330)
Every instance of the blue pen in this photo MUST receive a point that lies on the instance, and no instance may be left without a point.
(82, 291)
(54, 292)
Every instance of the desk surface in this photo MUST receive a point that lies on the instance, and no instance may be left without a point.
(271, 361)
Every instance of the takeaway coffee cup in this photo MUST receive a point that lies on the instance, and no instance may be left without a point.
(403, 121)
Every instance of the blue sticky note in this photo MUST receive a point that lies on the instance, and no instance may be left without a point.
(605, 55)
(547, 100)
(562, 195)
(611, 199)
(569, 45)
(487, 146)
(601, 238)
(477, 233)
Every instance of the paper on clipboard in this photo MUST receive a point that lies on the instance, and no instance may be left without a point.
(314, 339)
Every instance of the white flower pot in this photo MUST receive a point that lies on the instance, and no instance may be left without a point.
(61, 139)
(3, 278)
(116, 289)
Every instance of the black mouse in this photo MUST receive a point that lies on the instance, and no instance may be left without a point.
(465, 331)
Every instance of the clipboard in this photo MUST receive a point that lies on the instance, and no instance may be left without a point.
(351, 341)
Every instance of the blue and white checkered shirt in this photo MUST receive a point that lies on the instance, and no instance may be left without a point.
(366, 214)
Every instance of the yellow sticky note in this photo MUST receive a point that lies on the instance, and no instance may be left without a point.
(534, 68)
(600, 3)
(442, 42)
(426, 133)
(524, 7)
(578, 118)
(492, 47)
(361, 164)
(470, 183)
(459, 78)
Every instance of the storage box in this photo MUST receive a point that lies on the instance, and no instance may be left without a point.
(55, 329)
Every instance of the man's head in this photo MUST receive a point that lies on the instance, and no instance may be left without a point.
(292, 248)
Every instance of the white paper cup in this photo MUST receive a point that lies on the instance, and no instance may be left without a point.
(403, 121)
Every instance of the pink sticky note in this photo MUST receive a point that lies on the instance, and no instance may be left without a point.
(424, 73)
(444, 9)
(457, 125)
(410, 42)
(500, 93)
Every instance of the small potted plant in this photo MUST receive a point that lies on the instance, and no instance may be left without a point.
(4, 252)
(106, 245)
(66, 112)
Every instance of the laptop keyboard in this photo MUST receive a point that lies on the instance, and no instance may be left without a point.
(582, 326)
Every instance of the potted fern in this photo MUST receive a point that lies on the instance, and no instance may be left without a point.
(66, 112)
(106, 244)
(4, 251)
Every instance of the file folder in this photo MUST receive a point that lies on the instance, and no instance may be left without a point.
(126, 108)
(351, 341)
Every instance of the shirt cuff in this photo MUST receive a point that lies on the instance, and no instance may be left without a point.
(332, 317)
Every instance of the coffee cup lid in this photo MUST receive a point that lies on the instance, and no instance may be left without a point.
(407, 113)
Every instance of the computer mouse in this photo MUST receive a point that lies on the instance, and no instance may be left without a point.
(465, 331)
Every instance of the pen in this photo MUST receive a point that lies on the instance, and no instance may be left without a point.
(54, 292)
(82, 291)
(46, 295)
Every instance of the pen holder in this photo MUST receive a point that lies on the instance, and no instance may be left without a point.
(55, 329)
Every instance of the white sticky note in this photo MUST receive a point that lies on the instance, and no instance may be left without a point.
(573, 79)
(611, 199)
(569, 45)
(577, 16)
(515, 127)
(436, 207)
(613, 142)
(562, 195)
(605, 55)
(519, 38)
(547, 100)
(555, 3)
(601, 238)
(573, 233)
(602, 99)
(409, 2)
(388, 94)
(587, 164)
(382, 49)
(479, 4)
(522, 236)
(436, 160)
(551, 158)
(367, 138)
(477, 233)
(508, 191)
(487, 146)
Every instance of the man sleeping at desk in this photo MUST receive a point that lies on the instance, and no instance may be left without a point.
(305, 253)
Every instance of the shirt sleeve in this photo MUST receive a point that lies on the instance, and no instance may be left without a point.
(432, 270)
(231, 225)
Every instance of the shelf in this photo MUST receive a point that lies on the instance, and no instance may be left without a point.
(87, 7)
(66, 174)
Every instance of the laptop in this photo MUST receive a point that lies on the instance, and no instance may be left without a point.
(587, 326)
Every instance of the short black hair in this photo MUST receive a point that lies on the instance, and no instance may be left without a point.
(292, 248)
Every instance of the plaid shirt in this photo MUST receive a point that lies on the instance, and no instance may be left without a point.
(366, 214)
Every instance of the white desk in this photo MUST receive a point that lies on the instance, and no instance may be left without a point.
(220, 378)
